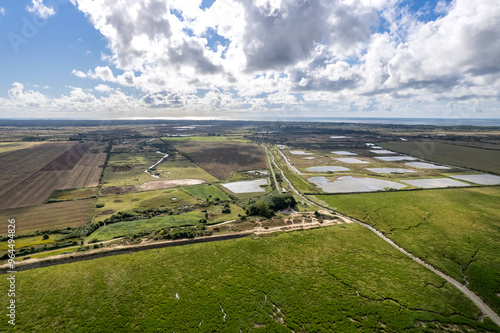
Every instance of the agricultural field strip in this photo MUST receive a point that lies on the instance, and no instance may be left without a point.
(297, 171)
(33, 190)
(450, 154)
(86, 172)
(48, 216)
(473, 297)
(271, 168)
(18, 167)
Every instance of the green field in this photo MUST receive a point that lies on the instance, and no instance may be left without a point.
(455, 230)
(73, 194)
(133, 227)
(205, 192)
(337, 279)
(474, 158)
(29, 241)
(168, 198)
(179, 167)
(128, 169)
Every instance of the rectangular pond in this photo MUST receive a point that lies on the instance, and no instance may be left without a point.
(350, 160)
(482, 179)
(423, 165)
(327, 168)
(348, 184)
(343, 153)
(249, 186)
(382, 151)
(389, 170)
(396, 158)
(435, 183)
(299, 152)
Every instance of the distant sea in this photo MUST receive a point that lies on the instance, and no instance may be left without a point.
(399, 121)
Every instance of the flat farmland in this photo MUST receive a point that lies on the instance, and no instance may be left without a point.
(237, 138)
(34, 190)
(323, 280)
(6, 147)
(222, 158)
(120, 229)
(52, 216)
(468, 157)
(68, 159)
(18, 165)
(73, 194)
(179, 167)
(455, 230)
(169, 198)
(85, 173)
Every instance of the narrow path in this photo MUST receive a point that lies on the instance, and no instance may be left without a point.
(485, 309)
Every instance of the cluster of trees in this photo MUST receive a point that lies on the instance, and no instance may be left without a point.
(266, 206)
(137, 215)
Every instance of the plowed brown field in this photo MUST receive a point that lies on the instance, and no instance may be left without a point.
(222, 158)
(18, 165)
(47, 217)
(86, 172)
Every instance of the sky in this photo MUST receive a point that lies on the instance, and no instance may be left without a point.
(249, 59)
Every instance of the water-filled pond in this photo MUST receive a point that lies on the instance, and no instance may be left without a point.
(248, 186)
(435, 182)
(327, 168)
(352, 184)
(423, 165)
(482, 179)
(389, 170)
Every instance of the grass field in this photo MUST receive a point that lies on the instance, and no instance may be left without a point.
(455, 230)
(330, 279)
(205, 192)
(128, 169)
(169, 198)
(29, 241)
(133, 227)
(51, 216)
(6, 147)
(474, 158)
(73, 194)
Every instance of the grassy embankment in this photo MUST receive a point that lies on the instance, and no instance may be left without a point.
(455, 230)
(330, 279)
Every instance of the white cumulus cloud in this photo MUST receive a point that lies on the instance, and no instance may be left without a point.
(38, 8)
